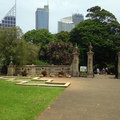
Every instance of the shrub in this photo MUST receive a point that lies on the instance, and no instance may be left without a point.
(24, 73)
(52, 75)
(68, 76)
(44, 73)
(61, 73)
(41, 75)
(83, 74)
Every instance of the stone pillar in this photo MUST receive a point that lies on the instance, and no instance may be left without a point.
(11, 68)
(75, 62)
(90, 73)
(118, 65)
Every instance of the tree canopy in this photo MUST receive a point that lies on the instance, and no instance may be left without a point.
(57, 53)
(39, 37)
(12, 44)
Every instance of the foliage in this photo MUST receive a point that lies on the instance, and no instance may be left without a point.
(18, 102)
(24, 73)
(44, 73)
(103, 31)
(57, 53)
(61, 73)
(83, 74)
(8, 41)
(52, 75)
(104, 16)
(25, 53)
(68, 75)
(62, 36)
(38, 62)
(12, 44)
(38, 37)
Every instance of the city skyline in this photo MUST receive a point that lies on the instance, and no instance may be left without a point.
(57, 10)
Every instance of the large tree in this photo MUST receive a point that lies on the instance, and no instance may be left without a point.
(12, 44)
(57, 53)
(38, 37)
(103, 31)
(8, 41)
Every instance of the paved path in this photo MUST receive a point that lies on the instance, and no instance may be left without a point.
(86, 99)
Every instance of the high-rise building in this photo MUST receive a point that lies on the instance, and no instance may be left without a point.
(42, 18)
(10, 18)
(68, 23)
(65, 24)
(77, 18)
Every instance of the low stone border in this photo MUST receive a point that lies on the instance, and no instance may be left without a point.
(48, 83)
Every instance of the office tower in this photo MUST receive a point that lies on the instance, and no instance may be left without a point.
(65, 24)
(42, 18)
(10, 18)
(77, 18)
(68, 23)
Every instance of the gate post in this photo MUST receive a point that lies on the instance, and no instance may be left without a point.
(90, 73)
(75, 62)
(118, 65)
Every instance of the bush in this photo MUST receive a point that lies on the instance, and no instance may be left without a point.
(24, 73)
(68, 76)
(61, 73)
(52, 75)
(41, 75)
(44, 73)
(83, 74)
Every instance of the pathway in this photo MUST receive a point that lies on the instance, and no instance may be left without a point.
(95, 98)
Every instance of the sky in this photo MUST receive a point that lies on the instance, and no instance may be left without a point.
(58, 9)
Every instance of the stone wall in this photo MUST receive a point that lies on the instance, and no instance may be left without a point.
(34, 69)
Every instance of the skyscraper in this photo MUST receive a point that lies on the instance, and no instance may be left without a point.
(68, 23)
(65, 24)
(10, 18)
(42, 18)
(77, 18)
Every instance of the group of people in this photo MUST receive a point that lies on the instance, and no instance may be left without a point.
(103, 71)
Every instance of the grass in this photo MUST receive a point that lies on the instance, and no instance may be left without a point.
(25, 102)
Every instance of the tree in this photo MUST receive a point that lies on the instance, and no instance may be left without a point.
(58, 53)
(38, 37)
(8, 41)
(104, 16)
(62, 36)
(12, 44)
(25, 53)
(103, 31)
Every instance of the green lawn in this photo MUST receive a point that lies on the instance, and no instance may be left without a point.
(25, 102)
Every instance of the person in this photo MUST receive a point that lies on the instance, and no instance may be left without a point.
(98, 71)
(103, 71)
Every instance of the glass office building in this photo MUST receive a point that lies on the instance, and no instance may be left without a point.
(68, 23)
(77, 18)
(10, 18)
(42, 18)
(65, 24)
